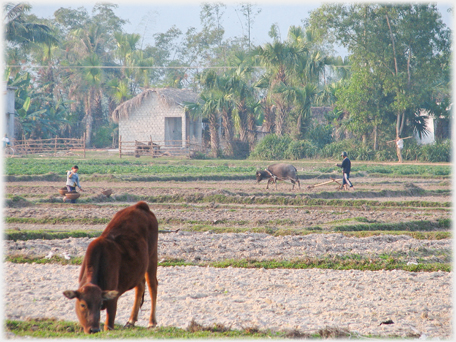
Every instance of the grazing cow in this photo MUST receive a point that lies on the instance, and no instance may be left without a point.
(276, 172)
(122, 258)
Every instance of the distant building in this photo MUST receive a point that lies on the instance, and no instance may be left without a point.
(159, 114)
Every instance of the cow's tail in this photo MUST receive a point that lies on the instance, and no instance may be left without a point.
(142, 299)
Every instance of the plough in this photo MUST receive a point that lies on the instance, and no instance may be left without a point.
(331, 181)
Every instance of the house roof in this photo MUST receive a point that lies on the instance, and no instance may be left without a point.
(168, 96)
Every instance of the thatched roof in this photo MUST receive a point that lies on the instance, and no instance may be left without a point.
(168, 96)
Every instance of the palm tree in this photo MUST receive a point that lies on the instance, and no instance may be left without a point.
(240, 86)
(219, 86)
(92, 77)
(207, 108)
(282, 62)
(20, 31)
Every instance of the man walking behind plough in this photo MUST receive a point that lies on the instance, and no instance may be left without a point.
(346, 166)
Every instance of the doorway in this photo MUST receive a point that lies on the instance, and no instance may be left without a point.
(173, 131)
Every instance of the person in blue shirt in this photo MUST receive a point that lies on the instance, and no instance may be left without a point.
(346, 167)
(73, 181)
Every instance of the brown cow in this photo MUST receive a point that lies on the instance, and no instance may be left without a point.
(122, 258)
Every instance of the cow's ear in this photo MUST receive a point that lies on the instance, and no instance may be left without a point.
(71, 294)
(107, 295)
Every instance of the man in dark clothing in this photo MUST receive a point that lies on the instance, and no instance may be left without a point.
(346, 166)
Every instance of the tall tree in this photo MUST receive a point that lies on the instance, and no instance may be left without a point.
(249, 12)
(406, 47)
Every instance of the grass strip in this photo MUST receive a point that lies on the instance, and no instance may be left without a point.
(53, 328)
(58, 220)
(55, 259)
(403, 226)
(296, 200)
(419, 231)
(259, 199)
(338, 263)
(24, 235)
(347, 262)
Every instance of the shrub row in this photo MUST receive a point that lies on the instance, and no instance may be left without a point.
(273, 147)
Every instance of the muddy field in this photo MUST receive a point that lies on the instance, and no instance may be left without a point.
(417, 311)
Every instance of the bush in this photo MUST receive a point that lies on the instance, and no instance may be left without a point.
(437, 152)
(102, 137)
(300, 149)
(411, 150)
(365, 153)
(334, 149)
(271, 147)
(386, 155)
(197, 155)
(320, 135)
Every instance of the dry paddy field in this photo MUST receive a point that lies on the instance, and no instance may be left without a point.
(233, 253)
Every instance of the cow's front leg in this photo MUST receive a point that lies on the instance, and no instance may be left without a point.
(111, 309)
(139, 297)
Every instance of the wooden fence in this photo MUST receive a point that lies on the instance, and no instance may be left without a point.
(49, 146)
(159, 148)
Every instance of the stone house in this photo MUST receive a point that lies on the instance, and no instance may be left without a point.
(159, 114)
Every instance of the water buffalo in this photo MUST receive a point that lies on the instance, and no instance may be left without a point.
(122, 258)
(276, 172)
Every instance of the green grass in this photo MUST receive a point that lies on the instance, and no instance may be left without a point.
(47, 235)
(351, 262)
(52, 328)
(397, 170)
(417, 229)
(21, 259)
(184, 169)
(336, 262)
(57, 220)
(261, 199)
(40, 166)
(403, 226)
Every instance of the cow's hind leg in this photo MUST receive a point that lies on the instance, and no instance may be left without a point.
(139, 297)
(152, 282)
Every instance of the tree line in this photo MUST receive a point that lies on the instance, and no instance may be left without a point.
(73, 70)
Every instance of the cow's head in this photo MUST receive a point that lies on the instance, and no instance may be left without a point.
(260, 175)
(89, 302)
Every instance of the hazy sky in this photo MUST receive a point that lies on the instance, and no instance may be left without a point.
(153, 16)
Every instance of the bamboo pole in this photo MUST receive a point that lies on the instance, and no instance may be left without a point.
(84, 144)
(331, 181)
(152, 150)
(55, 146)
(401, 138)
(120, 146)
